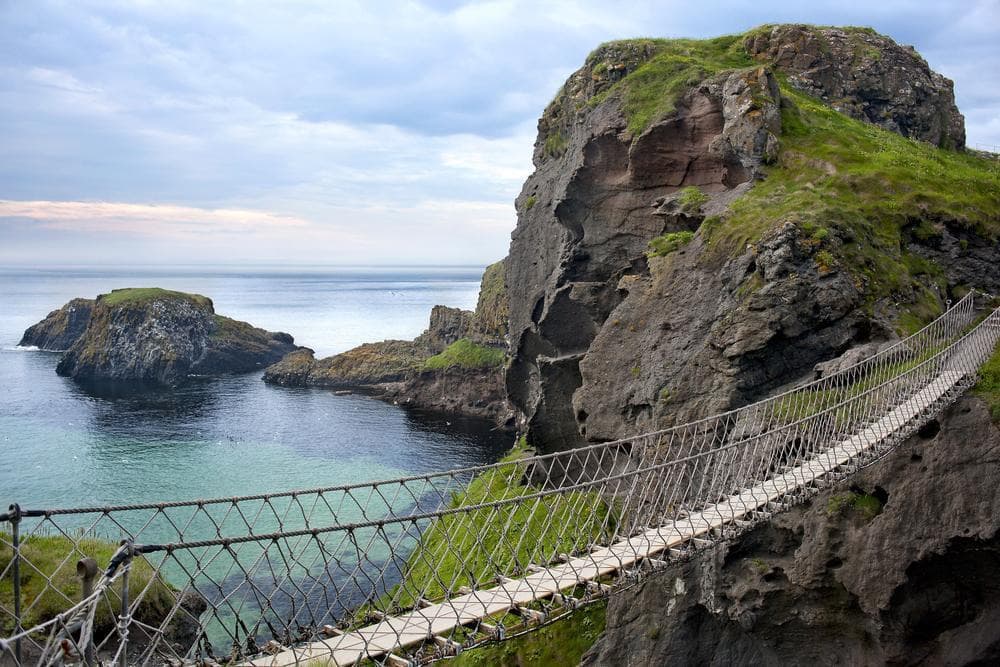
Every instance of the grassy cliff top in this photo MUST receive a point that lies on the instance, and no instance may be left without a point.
(135, 296)
(651, 75)
(672, 66)
(860, 195)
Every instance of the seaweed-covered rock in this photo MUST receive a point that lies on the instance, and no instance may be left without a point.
(156, 336)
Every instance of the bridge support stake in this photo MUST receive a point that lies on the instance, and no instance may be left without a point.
(15, 525)
(447, 645)
(488, 629)
(86, 569)
(531, 615)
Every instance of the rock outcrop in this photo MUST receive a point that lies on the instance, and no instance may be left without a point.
(60, 328)
(398, 370)
(867, 76)
(613, 335)
(473, 392)
(898, 565)
(157, 336)
(363, 366)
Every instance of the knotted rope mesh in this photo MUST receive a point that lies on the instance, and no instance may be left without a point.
(409, 570)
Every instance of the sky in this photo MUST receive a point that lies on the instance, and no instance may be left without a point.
(332, 132)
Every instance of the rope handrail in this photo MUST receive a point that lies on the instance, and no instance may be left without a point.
(426, 565)
(964, 305)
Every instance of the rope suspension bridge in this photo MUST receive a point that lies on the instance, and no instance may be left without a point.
(406, 571)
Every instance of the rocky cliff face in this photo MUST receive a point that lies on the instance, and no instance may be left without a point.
(897, 565)
(866, 76)
(161, 337)
(60, 328)
(678, 259)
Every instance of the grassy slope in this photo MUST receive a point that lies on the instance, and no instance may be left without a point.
(561, 644)
(651, 92)
(450, 555)
(55, 557)
(858, 191)
(464, 353)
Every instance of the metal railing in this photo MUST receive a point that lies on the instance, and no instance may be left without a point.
(413, 569)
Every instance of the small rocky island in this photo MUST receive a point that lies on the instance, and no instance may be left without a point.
(153, 336)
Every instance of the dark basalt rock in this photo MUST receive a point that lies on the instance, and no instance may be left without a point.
(60, 328)
(825, 583)
(160, 337)
(473, 392)
(866, 76)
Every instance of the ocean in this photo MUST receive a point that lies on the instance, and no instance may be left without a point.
(64, 446)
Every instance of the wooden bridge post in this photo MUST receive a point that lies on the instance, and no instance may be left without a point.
(86, 569)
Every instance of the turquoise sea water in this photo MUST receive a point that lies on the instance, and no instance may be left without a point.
(64, 446)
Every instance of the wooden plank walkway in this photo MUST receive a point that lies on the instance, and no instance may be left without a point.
(415, 627)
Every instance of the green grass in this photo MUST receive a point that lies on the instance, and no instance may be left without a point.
(141, 295)
(470, 548)
(652, 91)
(464, 353)
(691, 199)
(668, 243)
(55, 557)
(864, 504)
(530, 202)
(988, 387)
(870, 189)
(560, 644)
(555, 144)
(802, 404)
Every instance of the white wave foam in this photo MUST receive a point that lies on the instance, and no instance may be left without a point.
(23, 348)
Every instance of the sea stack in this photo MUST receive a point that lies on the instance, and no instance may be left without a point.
(153, 336)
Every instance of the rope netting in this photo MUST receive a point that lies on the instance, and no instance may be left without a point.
(409, 570)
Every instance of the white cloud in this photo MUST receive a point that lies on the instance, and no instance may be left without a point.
(146, 219)
(390, 129)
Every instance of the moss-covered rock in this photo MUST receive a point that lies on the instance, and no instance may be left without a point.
(156, 336)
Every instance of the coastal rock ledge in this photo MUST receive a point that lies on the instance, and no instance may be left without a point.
(153, 336)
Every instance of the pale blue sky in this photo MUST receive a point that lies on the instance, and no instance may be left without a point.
(337, 132)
